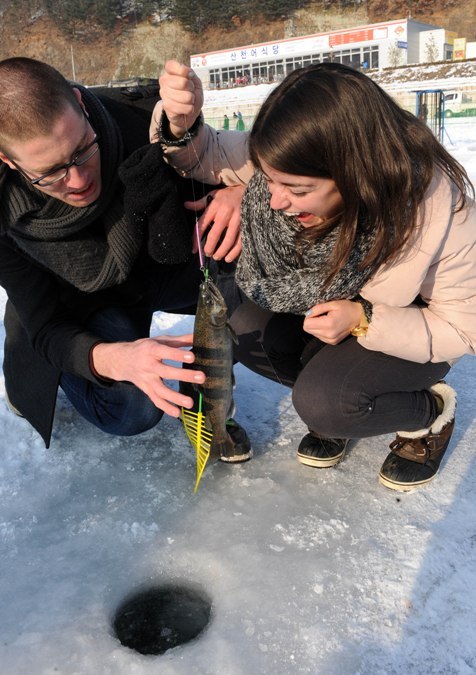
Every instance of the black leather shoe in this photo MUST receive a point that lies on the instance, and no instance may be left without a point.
(320, 452)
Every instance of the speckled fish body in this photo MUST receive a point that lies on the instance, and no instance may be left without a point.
(213, 348)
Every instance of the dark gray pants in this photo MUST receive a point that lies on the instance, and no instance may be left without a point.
(339, 391)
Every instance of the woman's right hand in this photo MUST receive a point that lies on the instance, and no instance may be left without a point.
(333, 321)
(142, 362)
(181, 92)
(220, 221)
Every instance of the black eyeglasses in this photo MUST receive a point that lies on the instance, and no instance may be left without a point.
(55, 175)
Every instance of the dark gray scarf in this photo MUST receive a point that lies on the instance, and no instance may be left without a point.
(268, 271)
(91, 247)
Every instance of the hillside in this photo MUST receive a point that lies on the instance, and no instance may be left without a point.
(94, 56)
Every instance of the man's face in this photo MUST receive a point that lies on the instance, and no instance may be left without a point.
(69, 135)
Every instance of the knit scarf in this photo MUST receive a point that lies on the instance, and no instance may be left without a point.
(268, 270)
(91, 247)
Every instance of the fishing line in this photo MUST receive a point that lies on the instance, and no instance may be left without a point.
(272, 366)
(199, 437)
(201, 256)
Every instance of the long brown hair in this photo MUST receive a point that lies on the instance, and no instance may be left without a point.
(330, 121)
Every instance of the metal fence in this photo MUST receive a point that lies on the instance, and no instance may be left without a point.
(434, 106)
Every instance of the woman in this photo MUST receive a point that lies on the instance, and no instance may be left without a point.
(358, 259)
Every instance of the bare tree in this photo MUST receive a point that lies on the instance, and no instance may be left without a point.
(431, 50)
(394, 54)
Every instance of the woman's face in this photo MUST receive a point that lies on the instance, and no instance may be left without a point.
(310, 200)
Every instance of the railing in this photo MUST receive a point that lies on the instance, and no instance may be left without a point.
(407, 99)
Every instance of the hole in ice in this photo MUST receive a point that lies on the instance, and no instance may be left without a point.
(160, 618)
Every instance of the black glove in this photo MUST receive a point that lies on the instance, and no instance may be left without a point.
(153, 200)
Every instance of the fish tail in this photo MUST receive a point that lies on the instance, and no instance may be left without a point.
(222, 448)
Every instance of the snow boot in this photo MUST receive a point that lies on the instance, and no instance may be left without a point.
(320, 452)
(416, 455)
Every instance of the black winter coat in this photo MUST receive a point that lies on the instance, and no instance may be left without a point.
(44, 316)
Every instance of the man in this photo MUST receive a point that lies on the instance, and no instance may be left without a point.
(86, 258)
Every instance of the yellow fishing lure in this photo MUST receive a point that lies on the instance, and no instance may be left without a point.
(199, 437)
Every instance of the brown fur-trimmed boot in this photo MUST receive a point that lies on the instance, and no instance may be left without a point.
(416, 455)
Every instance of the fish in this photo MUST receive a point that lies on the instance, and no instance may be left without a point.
(213, 339)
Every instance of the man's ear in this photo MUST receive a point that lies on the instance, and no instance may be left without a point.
(5, 159)
(77, 93)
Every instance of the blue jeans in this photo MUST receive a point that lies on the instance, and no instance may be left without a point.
(121, 408)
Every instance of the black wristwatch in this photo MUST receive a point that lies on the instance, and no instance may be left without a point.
(165, 137)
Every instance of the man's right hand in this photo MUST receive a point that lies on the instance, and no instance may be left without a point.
(181, 92)
(142, 362)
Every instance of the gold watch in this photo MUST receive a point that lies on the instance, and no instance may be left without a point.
(362, 327)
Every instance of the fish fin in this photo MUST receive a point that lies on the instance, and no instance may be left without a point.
(225, 448)
(215, 453)
(198, 388)
(197, 392)
(233, 335)
(231, 409)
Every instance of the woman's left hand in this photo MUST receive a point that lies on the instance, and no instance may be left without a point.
(221, 220)
(332, 321)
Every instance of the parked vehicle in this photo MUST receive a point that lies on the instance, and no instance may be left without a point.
(459, 104)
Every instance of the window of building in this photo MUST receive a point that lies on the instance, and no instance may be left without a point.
(374, 56)
(345, 58)
(275, 70)
(356, 58)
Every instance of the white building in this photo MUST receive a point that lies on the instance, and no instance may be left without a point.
(436, 45)
(378, 45)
